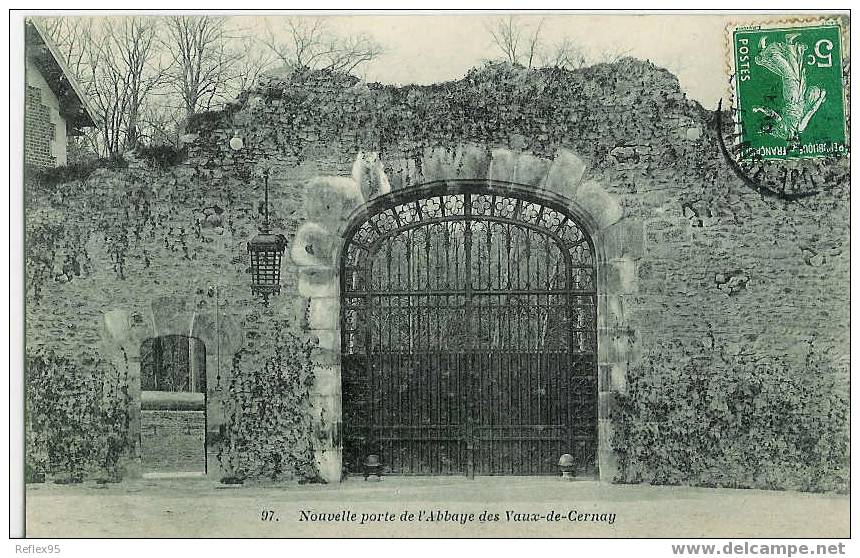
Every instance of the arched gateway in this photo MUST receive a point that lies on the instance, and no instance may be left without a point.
(469, 333)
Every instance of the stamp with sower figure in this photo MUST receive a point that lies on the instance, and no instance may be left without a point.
(789, 90)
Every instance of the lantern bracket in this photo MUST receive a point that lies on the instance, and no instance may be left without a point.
(266, 251)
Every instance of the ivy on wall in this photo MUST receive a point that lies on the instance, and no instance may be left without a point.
(733, 420)
(268, 431)
(77, 417)
(546, 107)
(120, 221)
(55, 252)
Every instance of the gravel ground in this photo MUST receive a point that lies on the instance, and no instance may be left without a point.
(510, 507)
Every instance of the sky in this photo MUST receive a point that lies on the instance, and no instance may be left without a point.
(424, 49)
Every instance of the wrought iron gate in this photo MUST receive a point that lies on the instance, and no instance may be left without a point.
(469, 334)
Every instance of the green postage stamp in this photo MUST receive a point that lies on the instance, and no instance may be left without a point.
(789, 90)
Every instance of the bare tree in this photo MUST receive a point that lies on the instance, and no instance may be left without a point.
(519, 44)
(254, 60)
(563, 54)
(525, 45)
(123, 70)
(211, 62)
(116, 59)
(70, 35)
(611, 56)
(308, 42)
(146, 75)
(304, 42)
(161, 120)
(347, 53)
(201, 60)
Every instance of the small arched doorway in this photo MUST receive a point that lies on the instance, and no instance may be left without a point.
(173, 405)
(468, 333)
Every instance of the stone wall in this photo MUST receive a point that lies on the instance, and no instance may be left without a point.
(688, 251)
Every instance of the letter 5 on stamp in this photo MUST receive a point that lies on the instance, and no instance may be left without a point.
(789, 91)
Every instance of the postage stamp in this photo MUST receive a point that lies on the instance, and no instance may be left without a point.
(789, 90)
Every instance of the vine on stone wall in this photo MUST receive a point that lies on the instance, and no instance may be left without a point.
(134, 215)
(587, 110)
(55, 252)
(268, 429)
(77, 417)
(739, 421)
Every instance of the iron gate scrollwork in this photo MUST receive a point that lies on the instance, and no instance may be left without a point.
(469, 334)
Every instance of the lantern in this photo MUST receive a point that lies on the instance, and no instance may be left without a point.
(266, 250)
(372, 466)
(567, 466)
